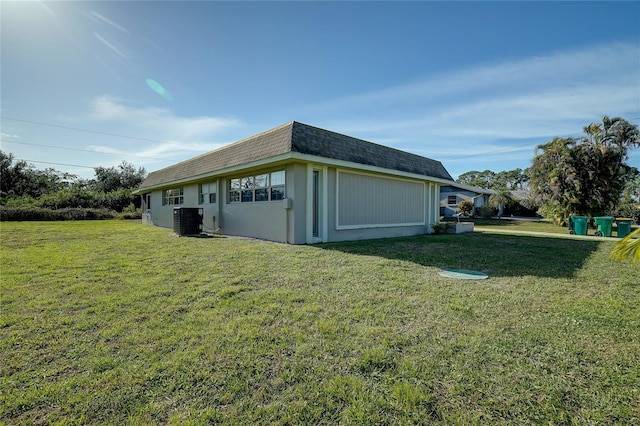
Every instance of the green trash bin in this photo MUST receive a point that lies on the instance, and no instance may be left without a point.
(578, 225)
(624, 226)
(604, 225)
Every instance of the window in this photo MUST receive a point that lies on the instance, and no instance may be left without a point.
(173, 196)
(208, 192)
(452, 200)
(277, 185)
(262, 187)
(246, 183)
(234, 190)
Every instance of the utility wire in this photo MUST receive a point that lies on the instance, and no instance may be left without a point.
(80, 130)
(161, 141)
(57, 164)
(82, 150)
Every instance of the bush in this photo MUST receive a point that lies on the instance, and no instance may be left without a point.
(486, 212)
(67, 198)
(465, 206)
(518, 209)
(45, 214)
(632, 211)
(128, 215)
(556, 214)
(81, 198)
(18, 201)
(440, 228)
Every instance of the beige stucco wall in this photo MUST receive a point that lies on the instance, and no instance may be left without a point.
(272, 220)
(382, 230)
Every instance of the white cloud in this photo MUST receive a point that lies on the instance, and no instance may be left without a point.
(9, 135)
(159, 121)
(159, 133)
(561, 69)
(493, 115)
(555, 94)
(160, 150)
(489, 114)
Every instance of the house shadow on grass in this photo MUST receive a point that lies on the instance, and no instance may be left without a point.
(498, 255)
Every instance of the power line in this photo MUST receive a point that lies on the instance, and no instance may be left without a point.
(161, 141)
(81, 130)
(57, 164)
(79, 149)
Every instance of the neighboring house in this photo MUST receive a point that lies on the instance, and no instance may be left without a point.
(300, 184)
(453, 193)
(524, 205)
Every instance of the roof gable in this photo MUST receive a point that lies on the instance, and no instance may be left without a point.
(299, 138)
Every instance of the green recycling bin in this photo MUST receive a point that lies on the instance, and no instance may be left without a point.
(624, 226)
(578, 225)
(604, 225)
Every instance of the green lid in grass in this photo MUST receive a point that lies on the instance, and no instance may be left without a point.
(463, 274)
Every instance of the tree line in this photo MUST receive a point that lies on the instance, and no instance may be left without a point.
(512, 180)
(587, 175)
(24, 187)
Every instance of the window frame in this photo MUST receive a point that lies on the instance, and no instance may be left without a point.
(211, 195)
(173, 196)
(280, 188)
(257, 188)
(233, 190)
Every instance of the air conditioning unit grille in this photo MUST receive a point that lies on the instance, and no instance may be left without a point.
(187, 220)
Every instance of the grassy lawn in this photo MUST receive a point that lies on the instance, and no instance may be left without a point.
(115, 322)
(522, 225)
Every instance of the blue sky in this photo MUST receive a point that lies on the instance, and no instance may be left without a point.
(476, 85)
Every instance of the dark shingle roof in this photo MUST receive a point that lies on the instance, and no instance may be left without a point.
(300, 138)
(324, 143)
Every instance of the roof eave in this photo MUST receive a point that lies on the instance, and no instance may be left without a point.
(295, 156)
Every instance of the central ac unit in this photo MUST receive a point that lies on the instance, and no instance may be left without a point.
(187, 220)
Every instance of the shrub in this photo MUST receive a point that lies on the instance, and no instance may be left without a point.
(520, 209)
(80, 198)
(440, 228)
(67, 198)
(632, 211)
(128, 215)
(486, 212)
(45, 214)
(465, 206)
(18, 201)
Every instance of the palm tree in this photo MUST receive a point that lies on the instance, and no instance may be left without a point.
(552, 180)
(501, 199)
(628, 248)
(584, 176)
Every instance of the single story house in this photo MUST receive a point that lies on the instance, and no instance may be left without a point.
(300, 184)
(453, 193)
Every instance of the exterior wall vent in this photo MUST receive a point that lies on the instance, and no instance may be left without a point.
(187, 220)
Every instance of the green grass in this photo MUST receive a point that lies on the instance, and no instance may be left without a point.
(531, 226)
(521, 225)
(119, 323)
